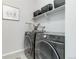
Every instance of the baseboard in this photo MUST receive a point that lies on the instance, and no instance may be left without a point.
(13, 52)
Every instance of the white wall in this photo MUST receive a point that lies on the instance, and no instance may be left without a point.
(54, 22)
(70, 29)
(13, 31)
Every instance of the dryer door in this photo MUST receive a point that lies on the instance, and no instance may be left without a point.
(60, 48)
(45, 51)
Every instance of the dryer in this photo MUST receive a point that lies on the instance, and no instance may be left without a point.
(50, 46)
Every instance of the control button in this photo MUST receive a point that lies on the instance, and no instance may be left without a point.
(45, 36)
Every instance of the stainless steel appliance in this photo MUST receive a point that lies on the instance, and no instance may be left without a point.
(50, 46)
(47, 45)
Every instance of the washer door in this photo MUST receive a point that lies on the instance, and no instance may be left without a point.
(45, 51)
(28, 47)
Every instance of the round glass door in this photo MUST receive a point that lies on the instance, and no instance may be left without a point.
(45, 50)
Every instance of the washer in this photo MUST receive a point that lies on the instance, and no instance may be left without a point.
(50, 44)
(28, 44)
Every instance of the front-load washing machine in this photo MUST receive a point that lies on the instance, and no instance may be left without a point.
(50, 46)
(28, 44)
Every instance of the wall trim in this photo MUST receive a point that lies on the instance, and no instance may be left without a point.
(13, 52)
